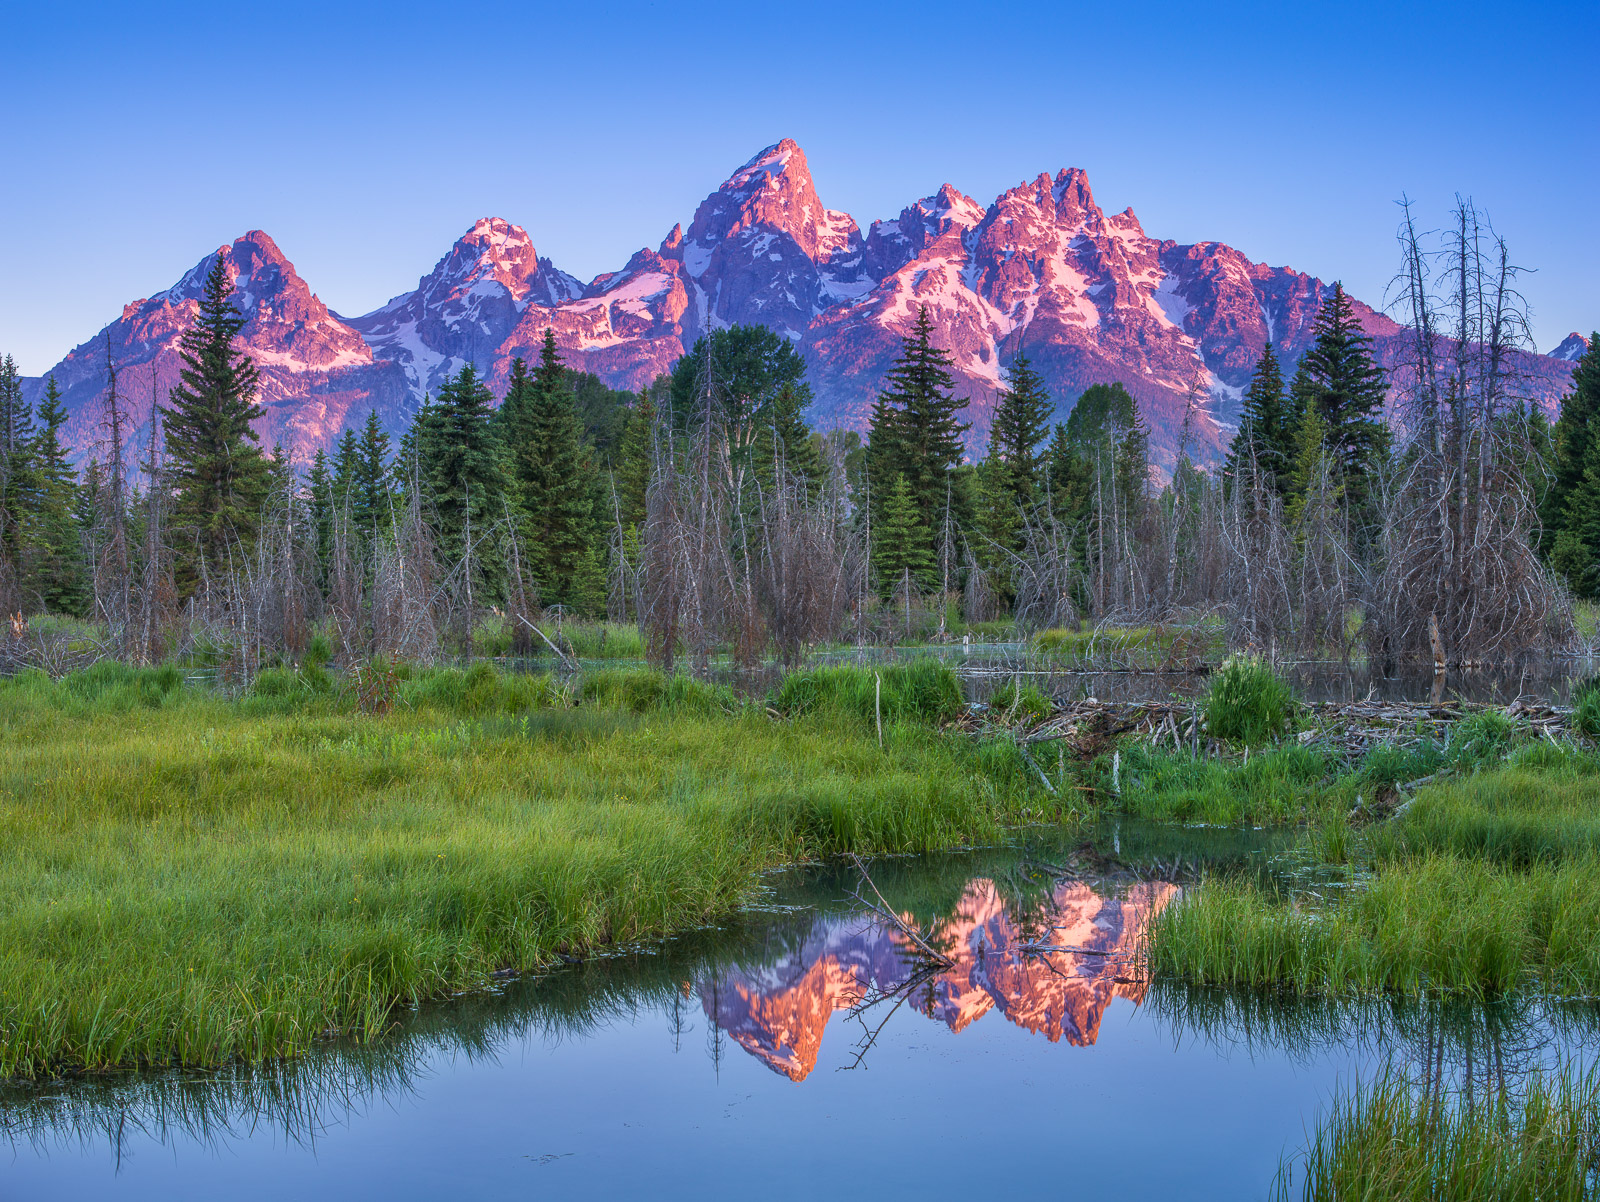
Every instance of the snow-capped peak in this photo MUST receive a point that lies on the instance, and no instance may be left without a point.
(1573, 347)
(760, 169)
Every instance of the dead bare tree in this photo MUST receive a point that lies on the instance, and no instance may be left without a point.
(1458, 525)
(113, 599)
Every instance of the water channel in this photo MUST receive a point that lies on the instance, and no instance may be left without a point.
(807, 1047)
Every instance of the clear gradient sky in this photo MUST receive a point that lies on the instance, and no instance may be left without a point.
(365, 138)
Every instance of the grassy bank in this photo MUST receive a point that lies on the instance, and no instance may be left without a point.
(1392, 1140)
(1488, 884)
(187, 878)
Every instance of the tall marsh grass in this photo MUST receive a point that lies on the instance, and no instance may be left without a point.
(187, 879)
(1394, 1141)
(1247, 702)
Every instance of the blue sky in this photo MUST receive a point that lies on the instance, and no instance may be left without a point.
(365, 138)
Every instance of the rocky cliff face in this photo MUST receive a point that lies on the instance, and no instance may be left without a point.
(1090, 297)
(779, 1012)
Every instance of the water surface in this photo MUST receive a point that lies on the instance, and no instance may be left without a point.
(808, 1047)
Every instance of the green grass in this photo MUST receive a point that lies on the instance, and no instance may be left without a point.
(1489, 885)
(187, 879)
(1439, 925)
(922, 691)
(1247, 703)
(1276, 786)
(1393, 1141)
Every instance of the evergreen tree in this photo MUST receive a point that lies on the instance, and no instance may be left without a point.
(1020, 426)
(633, 461)
(1312, 457)
(1572, 436)
(550, 471)
(346, 457)
(18, 486)
(586, 593)
(218, 473)
(915, 433)
(319, 504)
(458, 466)
(753, 366)
(901, 542)
(371, 506)
(1338, 376)
(998, 518)
(57, 572)
(1266, 426)
(782, 432)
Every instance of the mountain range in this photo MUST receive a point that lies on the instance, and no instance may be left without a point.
(1042, 269)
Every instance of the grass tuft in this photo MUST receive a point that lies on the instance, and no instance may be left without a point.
(1247, 703)
(1392, 1140)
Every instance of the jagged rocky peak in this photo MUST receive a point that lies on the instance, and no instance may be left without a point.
(1573, 347)
(494, 251)
(774, 193)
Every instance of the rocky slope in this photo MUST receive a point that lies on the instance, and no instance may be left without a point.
(1089, 296)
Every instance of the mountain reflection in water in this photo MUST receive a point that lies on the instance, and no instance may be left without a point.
(1051, 968)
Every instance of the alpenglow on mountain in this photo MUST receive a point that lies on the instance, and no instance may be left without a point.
(1088, 296)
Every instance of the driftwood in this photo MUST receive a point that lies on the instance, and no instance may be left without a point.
(1354, 726)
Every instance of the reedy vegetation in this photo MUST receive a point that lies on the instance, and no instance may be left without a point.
(191, 878)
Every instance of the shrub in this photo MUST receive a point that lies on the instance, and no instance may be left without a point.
(1247, 703)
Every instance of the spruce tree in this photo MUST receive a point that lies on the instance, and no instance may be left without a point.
(371, 505)
(219, 475)
(1312, 457)
(550, 472)
(781, 432)
(1337, 375)
(1020, 426)
(998, 519)
(18, 486)
(915, 433)
(320, 507)
(1574, 432)
(901, 542)
(458, 464)
(345, 467)
(1266, 433)
(633, 461)
(57, 571)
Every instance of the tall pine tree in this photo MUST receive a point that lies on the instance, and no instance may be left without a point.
(458, 466)
(1020, 426)
(18, 487)
(1266, 436)
(57, 571)
(1574, 431)
(550, 472)
(371, 501)
(218, 473)
(901, 541)
(915, 431)
(1338, 376)
(1571, 505)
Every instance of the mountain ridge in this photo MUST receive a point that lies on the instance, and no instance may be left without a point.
(1090, 297)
